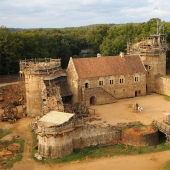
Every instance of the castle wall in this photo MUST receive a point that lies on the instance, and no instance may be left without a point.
(72, 79)
(55, 146)
(89, 135)
(62, 144)
(33, 96)
(92, 135)
(162, 85)
(38, 102)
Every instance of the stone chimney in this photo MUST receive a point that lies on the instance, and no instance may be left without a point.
(122, 54)
(98, 55)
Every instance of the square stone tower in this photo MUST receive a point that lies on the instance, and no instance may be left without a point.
(42, 83)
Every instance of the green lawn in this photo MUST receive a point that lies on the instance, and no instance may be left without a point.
(16, 158)
(108, 151)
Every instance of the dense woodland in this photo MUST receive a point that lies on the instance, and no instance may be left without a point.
(107, 39)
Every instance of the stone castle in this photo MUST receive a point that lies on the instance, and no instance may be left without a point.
(95, 80)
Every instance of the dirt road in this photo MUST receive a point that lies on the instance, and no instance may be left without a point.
(155, 107)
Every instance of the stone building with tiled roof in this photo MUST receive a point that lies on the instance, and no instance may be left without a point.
(101, 80)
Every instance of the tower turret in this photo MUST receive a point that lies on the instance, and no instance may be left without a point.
(153, 54)
(42, 79)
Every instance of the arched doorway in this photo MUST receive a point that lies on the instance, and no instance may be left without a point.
(92, 100)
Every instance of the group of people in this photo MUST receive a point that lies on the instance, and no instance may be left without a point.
(138, 108)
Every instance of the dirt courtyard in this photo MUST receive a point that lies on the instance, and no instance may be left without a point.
(155, 107)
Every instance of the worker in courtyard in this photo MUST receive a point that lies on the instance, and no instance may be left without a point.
(136, 106)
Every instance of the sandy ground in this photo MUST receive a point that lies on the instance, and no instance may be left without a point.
(155, 107)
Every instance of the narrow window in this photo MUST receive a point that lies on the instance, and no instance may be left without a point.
(86, 85)
(136, 78)
(100, 83)
(111, 81)
(121, 80)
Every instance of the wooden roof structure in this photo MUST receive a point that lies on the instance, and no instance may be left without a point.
(108, 66)
(54, 118)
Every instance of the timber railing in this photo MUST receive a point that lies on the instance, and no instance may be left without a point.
(60, 129)
(164, 128)
(40, 66)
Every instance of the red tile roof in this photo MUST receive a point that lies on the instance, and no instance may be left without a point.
(108, 66)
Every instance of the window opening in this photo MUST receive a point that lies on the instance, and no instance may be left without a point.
(136, 79)
(101, 83)
(86, 85)
(121, 80)
(111, 81)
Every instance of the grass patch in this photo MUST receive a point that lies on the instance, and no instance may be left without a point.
(167, 166)
(107, 151)
(4, 132)
(34, 144)
(167, 97)
(16, 158)
(140, 125)
(12, 161)
(137, 125)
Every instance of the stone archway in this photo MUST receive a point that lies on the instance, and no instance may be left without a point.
(92, 100)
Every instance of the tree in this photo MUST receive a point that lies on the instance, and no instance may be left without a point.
(96, 35)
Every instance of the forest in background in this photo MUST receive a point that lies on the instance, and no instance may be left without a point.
(106, 39)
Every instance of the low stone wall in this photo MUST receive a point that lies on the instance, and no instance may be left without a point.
(90, 135)
(61, 144)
